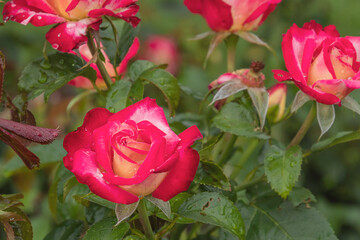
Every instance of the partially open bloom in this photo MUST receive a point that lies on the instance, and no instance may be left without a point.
(73, 17)
(162, 50)
(277, 101)
(83, 82)
(323, 65)
(133, 153)
(233, 15)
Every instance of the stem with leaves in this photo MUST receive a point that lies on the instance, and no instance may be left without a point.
(304, 127)
(144, 219)
(93, 49)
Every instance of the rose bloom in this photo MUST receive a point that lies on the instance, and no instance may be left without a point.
(83, 82)
(277, 101)
(133, 153)
(232, 15)
(322, 64)
(73, 17)
(162, 50)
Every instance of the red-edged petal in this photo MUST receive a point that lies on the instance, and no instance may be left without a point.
(86, 171)
(69, 35)
(263, 10)
(353, 84)
(148, 110)
(116, 4)
(183, 172)
(356, 43)
(127, 14)
(216, 13)
(20, 12)
(41, 4)
(282, 75)
(321, 97)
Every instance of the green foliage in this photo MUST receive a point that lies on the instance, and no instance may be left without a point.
(105, 230)
(48, 75)
(213, 208)
(282, 168)
(117, 37)
(285, 223)
(118, 95)
(209, 173)
(239, 120)
(301, 195)
(160, 78)
(68, 230)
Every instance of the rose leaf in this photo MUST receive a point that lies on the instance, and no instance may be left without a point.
(105, 230)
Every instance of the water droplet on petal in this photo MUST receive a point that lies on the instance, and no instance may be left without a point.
(39, 17)
(55, 45)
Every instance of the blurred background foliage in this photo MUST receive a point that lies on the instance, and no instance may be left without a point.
(332, 175)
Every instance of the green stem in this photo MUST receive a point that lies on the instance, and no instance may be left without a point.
(250, 149)
(304, 127)
(247, 184)
(144, 219)
(231, 42)
(93, 49)
(225, 155)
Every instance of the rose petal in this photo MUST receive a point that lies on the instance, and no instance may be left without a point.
(133, 50)
(69, 35)
(20, 12)
(216, 13)
(87, 172)
(127, 14)
(321, 97)
(281, 75)
(183, 172)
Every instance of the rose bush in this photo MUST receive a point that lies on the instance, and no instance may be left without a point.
(322, 64)
(83, 82)
(127, 155)
(73, 17)
(232, 15)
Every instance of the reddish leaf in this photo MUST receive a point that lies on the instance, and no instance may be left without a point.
(29, 159)
(32, 133)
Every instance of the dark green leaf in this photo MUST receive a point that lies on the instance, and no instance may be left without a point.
(288, 223)
(94, 213)
(95, 199)
(341, 137)
(138, 68)
(209, 173)
(118, 95)
(42, 76)
(106, 230)
(166, 83)
(48, 154)
(215, 209)
(117, 37)
(22, 228)
(282, 168)
(301, 195)
(68, 230)
(136, 92)
(239, 120)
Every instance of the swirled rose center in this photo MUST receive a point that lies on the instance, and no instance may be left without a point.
(129, 154)
(79, 12)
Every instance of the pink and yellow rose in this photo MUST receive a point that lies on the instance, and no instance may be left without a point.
(73, 17)
(322, 64)
(133, 153)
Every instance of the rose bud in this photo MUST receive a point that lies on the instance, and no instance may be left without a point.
(323, 65)
(277, 100)
(83, 82)
(133, 153)
(232, 15)
(73, 18)
(162, 50)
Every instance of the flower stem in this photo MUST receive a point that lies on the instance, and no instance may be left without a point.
(144, 219)
(304, 127)
(250, 149)
(225, 155)
(231, 42)
(93, 49)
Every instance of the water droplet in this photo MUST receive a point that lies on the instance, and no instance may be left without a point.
(43, 77)
(85, 129)
(39, 17)
(59, 35)
(45, 64)
(13, 5)
(55, 45)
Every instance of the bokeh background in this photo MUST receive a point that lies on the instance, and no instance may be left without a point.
(332, 175)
